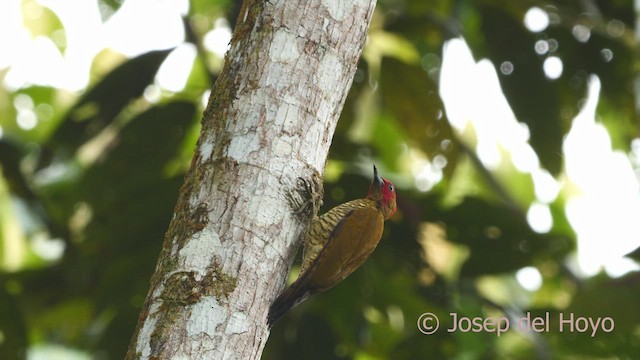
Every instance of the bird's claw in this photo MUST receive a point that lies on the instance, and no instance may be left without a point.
(306, 198)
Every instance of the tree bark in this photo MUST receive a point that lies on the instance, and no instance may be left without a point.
(264, 141)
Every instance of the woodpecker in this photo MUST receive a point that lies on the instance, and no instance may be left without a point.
(337, 243)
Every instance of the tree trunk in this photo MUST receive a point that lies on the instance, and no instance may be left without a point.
(255, 179)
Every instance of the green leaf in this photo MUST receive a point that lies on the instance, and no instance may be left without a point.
(534, 99)
(100, 106)
(412, 98)
(12, 326)
(499, 239)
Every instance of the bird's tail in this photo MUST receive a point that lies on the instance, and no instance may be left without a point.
(292, 296)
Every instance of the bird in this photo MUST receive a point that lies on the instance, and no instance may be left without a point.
(337, 243)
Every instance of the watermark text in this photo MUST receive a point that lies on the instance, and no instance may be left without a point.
(428, 323)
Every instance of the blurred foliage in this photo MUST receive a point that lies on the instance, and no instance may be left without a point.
(86, 195)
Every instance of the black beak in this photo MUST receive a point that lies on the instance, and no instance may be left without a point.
(377, 180)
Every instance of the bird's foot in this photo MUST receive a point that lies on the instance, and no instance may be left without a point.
(306, 198)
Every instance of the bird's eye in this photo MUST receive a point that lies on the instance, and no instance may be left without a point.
(391, 187)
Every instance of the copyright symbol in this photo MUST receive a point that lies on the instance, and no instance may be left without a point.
(428, 323)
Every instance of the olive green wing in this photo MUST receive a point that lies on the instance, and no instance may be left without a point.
(350, 243)
(348, 246)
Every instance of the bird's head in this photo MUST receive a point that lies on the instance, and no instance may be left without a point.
(383, 192)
